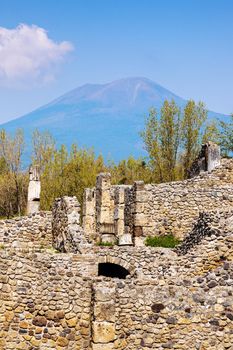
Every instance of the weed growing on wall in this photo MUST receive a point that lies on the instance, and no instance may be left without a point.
(166, 241)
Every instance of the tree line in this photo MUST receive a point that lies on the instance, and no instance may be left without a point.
(172, 138)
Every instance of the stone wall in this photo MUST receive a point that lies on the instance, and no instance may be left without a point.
(31, 232)
(209, 224)
(58, 301)
(43, 303)
(170, 299)
(185, 302)
(68, 235)
(173, 207)
(127, 214)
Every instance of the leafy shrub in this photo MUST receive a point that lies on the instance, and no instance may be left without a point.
(165, 241)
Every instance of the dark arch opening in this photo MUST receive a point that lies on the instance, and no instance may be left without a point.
(112, 270)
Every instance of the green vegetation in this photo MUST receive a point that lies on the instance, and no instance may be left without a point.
(173, 140)
(105, 244)
(2, 247)
(165, 241)
(171, 136)
(226, 137)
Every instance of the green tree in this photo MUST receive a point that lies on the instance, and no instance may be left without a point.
(151, 138)
(211, 133)
(162, 140)
(226, 136)
(130, 170)
(69, 174)
(53, 178)
(194, 117)
(43, 147)
(169, 138)
(11, 150)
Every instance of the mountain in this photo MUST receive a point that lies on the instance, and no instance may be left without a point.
(107, 117)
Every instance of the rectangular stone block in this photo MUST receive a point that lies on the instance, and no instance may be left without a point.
(119, 196)
(140, 220)
(103, 332)
(119, 213)
(125, 239)
(103, 293)
(119, 227)
(105, 311)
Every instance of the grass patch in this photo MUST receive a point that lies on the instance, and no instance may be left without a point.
(105, 244)
(166, 241)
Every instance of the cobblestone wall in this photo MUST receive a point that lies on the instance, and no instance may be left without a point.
(128, 214)
(68, 235)
(173, 207)
(31, 232)
(57, 301)
(171, 298)
(43, 303)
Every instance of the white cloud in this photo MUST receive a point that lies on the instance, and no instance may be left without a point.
(27, 54)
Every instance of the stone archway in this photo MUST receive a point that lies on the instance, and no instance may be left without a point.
(117, 261)
(104, 302)
(112, 270)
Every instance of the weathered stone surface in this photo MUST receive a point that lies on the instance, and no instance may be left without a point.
(103, 332)
(109, 346)
(61, 341)
(34, 189)
(40, 321)
(171, 299)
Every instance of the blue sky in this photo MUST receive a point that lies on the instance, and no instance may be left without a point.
(184, 45)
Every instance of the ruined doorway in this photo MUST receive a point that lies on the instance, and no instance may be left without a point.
(112, 270)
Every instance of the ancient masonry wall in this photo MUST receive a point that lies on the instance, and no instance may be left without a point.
(57, 301)
(28, 232)
(186, 302)
(172, 298)
(173, 207)
(127, 214)
(68, 235)
(43, 303)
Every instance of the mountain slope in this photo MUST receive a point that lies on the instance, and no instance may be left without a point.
(107, 117)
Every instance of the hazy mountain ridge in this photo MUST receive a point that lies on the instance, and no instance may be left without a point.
(107, 117)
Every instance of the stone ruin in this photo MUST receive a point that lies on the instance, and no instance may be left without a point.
(33, 203)
(207, 160)
(61, 289)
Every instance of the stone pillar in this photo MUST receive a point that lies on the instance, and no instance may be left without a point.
(68, 235)
(213, 156)
(139, 217)
(103, 324)
(104, 219)
(207, 160)
(124, 238)
(33, 202)
(89, 220)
